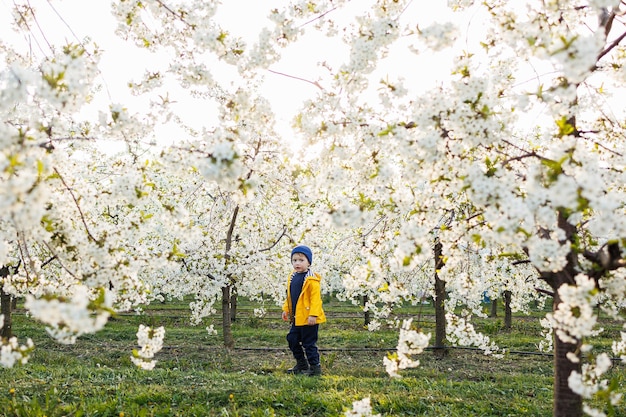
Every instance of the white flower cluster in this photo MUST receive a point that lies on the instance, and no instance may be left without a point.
(410, 342)
(72, 316)
(576, 54)
(547, 344)
(361, 408)
(11, 352)
(440, 35)
(589, 383)
(460, 332)
(373, 326)
(260, 312)
(547, 254)
(211, 331)
(460, 4)
(619, 347)
(151, 342)
(574, 317)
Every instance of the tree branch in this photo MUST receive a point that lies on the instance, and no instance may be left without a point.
(283, 234)
(611, 46)
(608, 258)
(60, 263)
(598, 144)
(318, 17)
(179, 17)
(542, 291)
(315, 83)
(52, 258)
(519, 158)
(82, 216)
(24, 253)
(362, 235)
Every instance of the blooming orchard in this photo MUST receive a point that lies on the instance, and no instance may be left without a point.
(510, 157)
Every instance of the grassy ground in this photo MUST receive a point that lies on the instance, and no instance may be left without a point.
(195, 376)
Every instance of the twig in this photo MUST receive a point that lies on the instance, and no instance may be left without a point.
(182, 19)
(283, 234)
(59, 260)
(24, 253)
(318, 17)
(30, 8)
(519, 158)
(25, 22)
(611, 46)
(315, 83)
(542, 291)
(82, 217)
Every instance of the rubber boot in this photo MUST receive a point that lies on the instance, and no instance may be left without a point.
(302, 367)
(314, 370)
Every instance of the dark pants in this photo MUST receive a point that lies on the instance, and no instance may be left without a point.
(303, 340)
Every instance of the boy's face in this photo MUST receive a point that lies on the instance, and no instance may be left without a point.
(299, 262)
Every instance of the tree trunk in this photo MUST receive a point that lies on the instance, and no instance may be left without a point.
(6, 304)
(440, 312)
(366, 313)
(6, 309)
(493, 309)
(229, 341)
(566, 402)
(233, 304)
(508, 314)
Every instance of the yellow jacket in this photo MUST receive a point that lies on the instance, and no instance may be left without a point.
(309, 303)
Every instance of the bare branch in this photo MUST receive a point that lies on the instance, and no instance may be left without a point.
(362, 235)
(542, 291)
(24, 253)
(30, 9)
(315, 83)
(52, 258)
(600, 145)
(178, 16)
(283, 234)
(60, 263)
(318, 17)
(82, 217)
(611, 46)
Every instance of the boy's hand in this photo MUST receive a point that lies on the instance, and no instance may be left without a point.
(312, 320)
(285, 316)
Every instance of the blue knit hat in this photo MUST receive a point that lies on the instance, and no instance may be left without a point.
(305, 250)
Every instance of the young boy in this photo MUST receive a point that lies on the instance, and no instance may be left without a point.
(303, 308)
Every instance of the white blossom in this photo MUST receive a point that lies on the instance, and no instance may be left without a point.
(410, 343)
(150, 342)
(11, 353)
(361, 408)
(574, 318)
(71, 317)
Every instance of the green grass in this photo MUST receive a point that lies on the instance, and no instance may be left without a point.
(196, 376)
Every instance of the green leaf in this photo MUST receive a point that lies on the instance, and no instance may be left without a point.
(565, 128)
